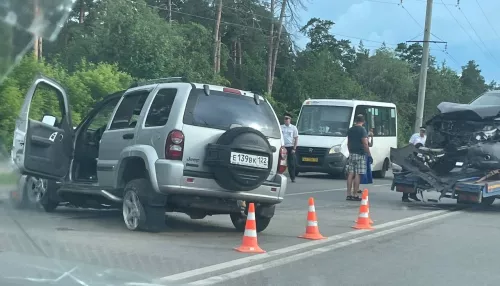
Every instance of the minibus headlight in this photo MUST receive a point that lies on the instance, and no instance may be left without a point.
(335, 149)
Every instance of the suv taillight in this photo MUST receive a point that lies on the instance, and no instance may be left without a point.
(174, 147)
(282, 160)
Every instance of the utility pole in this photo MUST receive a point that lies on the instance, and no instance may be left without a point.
(217, 35)
(37, 47)
(423, 70)
(170, 11)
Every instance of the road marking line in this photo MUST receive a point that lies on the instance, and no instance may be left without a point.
(300, 246)
(286, 260)
(330, 190)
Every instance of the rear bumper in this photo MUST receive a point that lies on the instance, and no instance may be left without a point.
(329, 163)
(173, 179)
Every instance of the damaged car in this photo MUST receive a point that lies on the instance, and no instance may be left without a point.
(163, 145)
(460, 135)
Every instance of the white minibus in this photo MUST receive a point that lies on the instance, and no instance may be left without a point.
(323, 125)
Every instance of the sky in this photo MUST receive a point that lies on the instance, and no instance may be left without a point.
(470, 29)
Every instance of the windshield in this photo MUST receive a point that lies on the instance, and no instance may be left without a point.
(489, 98)
(222, 110)
(324, 120)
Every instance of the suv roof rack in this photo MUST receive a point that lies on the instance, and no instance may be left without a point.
(160, 80)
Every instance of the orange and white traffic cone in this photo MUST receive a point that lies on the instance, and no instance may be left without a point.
(312, 229)
(363, 221)
(249, 243)
(368, 204)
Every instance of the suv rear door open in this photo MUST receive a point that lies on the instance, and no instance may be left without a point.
(43, 147)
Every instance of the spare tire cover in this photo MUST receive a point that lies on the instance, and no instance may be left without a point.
(241, 160)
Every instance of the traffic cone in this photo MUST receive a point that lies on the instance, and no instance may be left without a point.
(363, 221)
(312, 230)
(249, 243)
(368, 204)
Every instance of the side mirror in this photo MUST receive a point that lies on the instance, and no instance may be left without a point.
(49, 119)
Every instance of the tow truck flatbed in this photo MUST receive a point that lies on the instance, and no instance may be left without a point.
(474, 188)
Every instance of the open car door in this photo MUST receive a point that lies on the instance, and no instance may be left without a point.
(43, 142)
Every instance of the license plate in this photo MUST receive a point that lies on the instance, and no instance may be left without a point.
(249, 160)
(307, 159)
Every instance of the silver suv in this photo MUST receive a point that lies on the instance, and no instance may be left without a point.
(167, 145)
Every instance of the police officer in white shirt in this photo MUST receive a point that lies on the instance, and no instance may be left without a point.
(418, 140)
(290, 138)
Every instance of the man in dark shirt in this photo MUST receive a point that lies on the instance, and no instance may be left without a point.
(357, 143)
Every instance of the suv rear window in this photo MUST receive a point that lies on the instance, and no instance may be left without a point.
(220, 110)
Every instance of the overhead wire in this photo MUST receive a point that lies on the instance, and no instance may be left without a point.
(477, 35)
(258, 29)
(264, 32)
(487, 19)
(444, 51)
(462, 27)
(399, 2)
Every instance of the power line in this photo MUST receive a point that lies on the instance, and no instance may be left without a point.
(363, 39)
(420, 34)
(262, 30)
(409, 14)
(462, 27)
(383, 2)
(199, 17)
(444, 51)
(477, 35)
(425, 1)
(251, 11)
(437, 44)
(399, 2)
(258, 29)
(487, 19)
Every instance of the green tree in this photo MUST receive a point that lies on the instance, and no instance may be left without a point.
(472, 80)
(105, 44)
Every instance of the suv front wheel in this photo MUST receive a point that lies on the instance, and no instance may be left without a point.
(239, 221)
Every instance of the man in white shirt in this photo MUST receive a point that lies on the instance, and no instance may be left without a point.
(418, 138)
(290, 138)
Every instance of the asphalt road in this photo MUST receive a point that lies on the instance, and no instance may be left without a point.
(413, 244)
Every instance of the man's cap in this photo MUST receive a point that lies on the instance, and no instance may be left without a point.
(422, 129)
(287, 114)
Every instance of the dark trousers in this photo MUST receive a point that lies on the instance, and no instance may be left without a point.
(291, 162)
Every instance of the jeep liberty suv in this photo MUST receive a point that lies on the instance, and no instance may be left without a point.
(166, 145)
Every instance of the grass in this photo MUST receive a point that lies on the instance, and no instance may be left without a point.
(8, 178)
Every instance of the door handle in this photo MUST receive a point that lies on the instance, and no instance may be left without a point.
(128, 136)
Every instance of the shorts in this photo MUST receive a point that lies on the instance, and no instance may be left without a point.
(356, 163)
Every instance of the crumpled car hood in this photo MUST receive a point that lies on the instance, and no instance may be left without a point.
(466, 111)
(405, 157)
